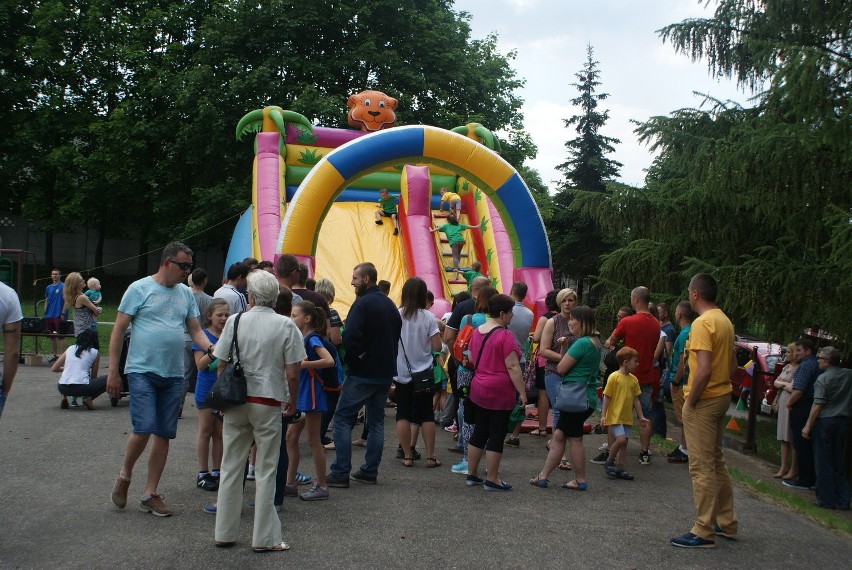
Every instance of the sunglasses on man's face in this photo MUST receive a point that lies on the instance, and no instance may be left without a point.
(184, 266)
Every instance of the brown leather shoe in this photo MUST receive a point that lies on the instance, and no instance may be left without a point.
(119, 492)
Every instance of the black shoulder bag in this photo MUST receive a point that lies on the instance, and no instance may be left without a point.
(422, 381)
(230, 388)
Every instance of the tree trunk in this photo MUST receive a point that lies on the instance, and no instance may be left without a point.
(99, 252)
(142, 259)
(48, 249)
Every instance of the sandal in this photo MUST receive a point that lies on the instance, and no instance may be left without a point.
(408, 462)
(87, 401)
(277, 548)
(565, 465)
(432, 462)
(542, 483)
(577, 486)
(539, 432)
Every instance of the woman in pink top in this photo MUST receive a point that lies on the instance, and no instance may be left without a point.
(497, 385)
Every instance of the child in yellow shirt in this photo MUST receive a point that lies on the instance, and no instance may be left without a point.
(621, 398)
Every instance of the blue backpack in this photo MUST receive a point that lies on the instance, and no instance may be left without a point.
(331, 377)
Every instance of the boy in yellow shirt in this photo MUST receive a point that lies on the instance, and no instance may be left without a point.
(452, 200)
(621, 397)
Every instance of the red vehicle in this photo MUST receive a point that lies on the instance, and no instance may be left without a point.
(763, 371)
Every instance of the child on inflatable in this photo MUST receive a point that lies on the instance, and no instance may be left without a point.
(387, 203)
(452, 200)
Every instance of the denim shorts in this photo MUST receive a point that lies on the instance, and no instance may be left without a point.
(645, 399)
(154, 403)
(620, 430)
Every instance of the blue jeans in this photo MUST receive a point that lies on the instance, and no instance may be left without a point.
(154, 403)
(357, 392)
(2, 402)
(829, 442)
(551, 384)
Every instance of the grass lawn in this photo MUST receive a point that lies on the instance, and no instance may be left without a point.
(104, 332)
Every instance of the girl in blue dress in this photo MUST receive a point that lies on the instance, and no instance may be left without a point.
(208, 446)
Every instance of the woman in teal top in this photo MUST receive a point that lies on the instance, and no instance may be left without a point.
(453, 230)
(580, 364)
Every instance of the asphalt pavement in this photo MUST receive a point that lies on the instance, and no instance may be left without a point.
(57, 468)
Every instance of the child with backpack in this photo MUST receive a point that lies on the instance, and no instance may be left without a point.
(311, 399)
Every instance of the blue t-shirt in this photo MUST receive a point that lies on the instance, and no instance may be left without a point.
(158, 316)
(55, 302)
(205, 376)
(311, 397)
(677, 350)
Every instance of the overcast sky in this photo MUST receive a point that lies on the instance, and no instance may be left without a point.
(643, 76)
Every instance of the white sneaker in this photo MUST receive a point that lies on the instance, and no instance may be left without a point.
(604, 447)
(250, 475)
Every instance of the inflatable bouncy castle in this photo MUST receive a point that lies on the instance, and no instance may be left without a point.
(315, 192)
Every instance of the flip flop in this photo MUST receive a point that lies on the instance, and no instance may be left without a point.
(277, 548)
(539, 432)
(408, 462)
(577, 486)
(565, 465)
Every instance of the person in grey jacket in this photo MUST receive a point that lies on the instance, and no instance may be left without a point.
(828, 423)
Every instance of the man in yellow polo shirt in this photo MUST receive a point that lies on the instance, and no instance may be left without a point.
(710, 350)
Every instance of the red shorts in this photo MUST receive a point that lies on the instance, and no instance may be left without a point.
(51, 325)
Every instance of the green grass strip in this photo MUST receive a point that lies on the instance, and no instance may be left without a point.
(825, 517)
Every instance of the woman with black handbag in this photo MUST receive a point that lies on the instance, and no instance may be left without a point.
(415, 381)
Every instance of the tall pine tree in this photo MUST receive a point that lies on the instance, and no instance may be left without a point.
(758, 195)
(576, 241)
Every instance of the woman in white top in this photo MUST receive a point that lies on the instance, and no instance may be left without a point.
(418, 338)
(79, 367)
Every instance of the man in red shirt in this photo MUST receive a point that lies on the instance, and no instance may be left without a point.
(641, 332)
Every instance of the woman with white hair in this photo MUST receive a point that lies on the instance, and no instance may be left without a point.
(271, 350)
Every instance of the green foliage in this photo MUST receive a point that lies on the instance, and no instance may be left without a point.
(758, 196)
(120, 116)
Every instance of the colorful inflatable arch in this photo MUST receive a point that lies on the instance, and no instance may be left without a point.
(521, 239)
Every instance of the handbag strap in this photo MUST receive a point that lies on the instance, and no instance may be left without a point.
(235, 347)
(407, 363)
(481, 346)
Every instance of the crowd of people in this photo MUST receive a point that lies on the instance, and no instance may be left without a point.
(473, 370)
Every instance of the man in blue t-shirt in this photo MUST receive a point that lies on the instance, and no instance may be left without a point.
(158, 307)
(53, 304)
(684, 315)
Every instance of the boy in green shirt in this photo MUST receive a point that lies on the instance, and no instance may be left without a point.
(387, 203)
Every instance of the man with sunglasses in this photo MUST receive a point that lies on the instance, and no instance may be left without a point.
(159, 307)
